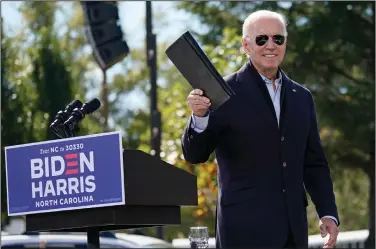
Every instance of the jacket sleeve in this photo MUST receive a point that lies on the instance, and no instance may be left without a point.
(317, 178)
(197, 146)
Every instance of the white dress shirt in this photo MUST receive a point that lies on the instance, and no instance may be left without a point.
(199, 124)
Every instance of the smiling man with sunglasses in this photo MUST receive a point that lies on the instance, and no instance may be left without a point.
(267, 146)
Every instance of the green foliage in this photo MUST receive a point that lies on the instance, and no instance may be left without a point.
(134, 76)
(13, 125)
(349, 186)
(53, 81)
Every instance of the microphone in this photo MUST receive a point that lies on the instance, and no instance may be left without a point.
(62, 116)
(79, 113)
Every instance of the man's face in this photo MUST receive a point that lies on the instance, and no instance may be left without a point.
(267, 54)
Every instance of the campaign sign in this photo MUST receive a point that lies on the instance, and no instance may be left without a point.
(66, 174)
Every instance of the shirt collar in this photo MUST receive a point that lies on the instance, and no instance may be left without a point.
(277, 81)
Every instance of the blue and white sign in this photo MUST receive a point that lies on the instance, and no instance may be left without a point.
(66, 174)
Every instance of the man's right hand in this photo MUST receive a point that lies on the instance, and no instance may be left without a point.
(198, 103)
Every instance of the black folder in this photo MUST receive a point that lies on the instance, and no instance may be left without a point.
(194, 65)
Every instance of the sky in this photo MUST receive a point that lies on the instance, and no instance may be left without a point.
(132, 20)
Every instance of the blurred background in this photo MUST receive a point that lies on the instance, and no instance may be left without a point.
(47, 61)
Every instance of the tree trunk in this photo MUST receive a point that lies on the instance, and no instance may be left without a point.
(370, 242)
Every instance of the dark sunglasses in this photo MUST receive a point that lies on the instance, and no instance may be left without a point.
(261, 40)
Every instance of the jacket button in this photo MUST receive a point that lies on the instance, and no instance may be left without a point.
(283, 190)
(191, 136)
(284, 164)
(282, 138)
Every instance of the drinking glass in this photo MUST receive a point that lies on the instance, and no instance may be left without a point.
(199, 237)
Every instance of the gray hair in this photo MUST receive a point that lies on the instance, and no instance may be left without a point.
(262, 13)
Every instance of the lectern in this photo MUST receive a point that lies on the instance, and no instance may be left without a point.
(154, 193)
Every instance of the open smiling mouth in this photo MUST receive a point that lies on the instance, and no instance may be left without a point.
(269, 55)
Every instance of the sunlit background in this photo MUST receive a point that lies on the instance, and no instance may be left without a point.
(331, 50)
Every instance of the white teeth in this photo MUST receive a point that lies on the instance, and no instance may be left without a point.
(270, 55)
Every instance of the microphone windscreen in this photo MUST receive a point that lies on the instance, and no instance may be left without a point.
(91, 106)
(72, 105)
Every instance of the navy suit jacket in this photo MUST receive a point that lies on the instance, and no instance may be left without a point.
(264, 170)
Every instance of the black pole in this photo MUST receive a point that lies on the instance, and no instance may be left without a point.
(93, 238)
(155, 117)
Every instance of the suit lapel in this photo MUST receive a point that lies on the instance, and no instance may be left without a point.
(263, 89)
(256, 92)
(286, 100)
(255, 86)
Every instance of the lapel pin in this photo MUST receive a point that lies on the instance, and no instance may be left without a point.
(293, 90)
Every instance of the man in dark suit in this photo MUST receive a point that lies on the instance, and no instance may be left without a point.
(267, 146)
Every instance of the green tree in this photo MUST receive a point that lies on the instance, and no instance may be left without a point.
(50, 76)
(15, 122)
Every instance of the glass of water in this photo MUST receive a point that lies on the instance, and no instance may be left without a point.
(199, 237)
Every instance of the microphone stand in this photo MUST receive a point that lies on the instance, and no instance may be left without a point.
(72, 127)
(73, 133)
(62, 131)
(67, 133)
(72, 130)
(56, 132)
